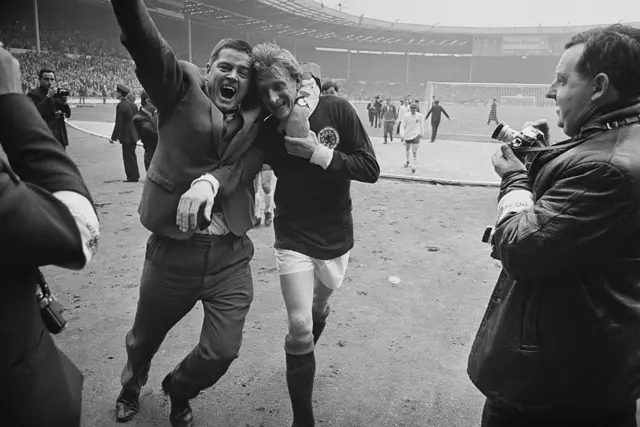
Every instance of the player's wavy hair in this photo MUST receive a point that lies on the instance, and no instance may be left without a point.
(266, 55)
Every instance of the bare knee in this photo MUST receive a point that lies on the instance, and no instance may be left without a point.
(300, 324)
(299, 340)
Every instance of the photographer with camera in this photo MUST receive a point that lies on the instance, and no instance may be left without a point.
(52, 104)
(46, 218)
(559, 344)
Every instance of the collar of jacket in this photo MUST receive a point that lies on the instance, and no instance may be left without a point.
(608, 114)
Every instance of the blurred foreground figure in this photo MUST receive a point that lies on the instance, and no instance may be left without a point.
(46, 218)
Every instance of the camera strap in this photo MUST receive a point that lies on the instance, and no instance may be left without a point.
(614, 124)
(560, 145)
(569, 143)
(42, 283)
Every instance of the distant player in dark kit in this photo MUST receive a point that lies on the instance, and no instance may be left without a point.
(436, 112)
(124, 132)
(146, 124)
(493, 113)
(389, 117)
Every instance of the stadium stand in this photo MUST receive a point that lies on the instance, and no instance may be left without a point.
(80, 41)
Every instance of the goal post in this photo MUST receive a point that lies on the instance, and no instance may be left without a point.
(469, 105)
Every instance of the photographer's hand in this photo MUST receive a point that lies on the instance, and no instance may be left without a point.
(9, 73)
(543, 127)
(504, 160)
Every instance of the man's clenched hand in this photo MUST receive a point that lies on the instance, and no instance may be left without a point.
(504, 160)
(201, 193)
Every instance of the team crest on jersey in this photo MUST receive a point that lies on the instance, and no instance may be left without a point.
(329, 137)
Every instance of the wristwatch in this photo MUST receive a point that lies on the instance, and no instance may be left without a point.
(302, 102)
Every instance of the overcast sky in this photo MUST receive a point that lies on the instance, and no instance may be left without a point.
(490, 13)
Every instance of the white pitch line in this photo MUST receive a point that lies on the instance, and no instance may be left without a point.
(426, 180)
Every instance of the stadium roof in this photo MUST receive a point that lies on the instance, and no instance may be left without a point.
(309, 22)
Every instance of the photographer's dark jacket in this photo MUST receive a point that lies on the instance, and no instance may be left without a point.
(190, 131)
(562, 329)
(40, 187)
(48, 108)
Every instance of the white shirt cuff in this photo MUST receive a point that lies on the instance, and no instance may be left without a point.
(87, 222)
(322, 156)
(211, 180)
(514, 201)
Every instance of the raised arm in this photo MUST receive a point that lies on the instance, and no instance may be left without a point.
(46, 210)
(157, 67)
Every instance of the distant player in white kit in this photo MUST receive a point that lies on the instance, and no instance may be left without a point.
(411, 130)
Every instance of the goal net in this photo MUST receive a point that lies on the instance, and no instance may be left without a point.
(518, 101)
(469, 106)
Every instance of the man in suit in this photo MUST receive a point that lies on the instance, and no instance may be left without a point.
(198, 249)
(146, 124)
(125, 133)
(436, 111)
(52, 108)
(47, 218)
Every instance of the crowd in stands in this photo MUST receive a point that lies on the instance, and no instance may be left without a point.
(83, 76)
(81, 43)
(366, 91)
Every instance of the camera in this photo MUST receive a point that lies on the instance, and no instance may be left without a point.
(50, 308)
(520, 141)
(61, 93)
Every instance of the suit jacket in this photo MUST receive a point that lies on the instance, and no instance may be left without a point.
(189, 128)
(36, 229)
(47, 108)
(124, 130)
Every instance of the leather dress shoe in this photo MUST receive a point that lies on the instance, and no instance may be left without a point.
(181, 414)
(127, 406)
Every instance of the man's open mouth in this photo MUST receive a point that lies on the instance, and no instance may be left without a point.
(227, 91)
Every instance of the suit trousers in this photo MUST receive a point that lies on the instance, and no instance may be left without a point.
(434, 130)
(388, 129)
(130, 161)
(176, 275)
